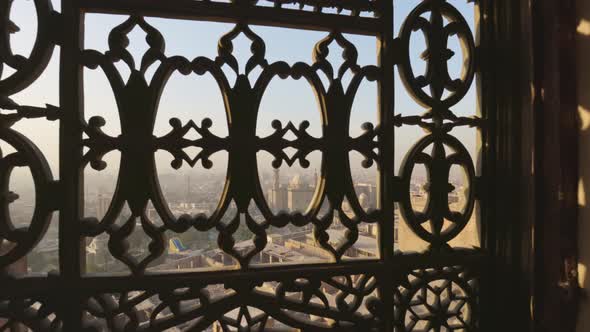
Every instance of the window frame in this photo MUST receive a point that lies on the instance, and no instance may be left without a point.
(507, 226)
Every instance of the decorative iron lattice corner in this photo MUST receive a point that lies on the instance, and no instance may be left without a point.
(440, 298)
(435, 290)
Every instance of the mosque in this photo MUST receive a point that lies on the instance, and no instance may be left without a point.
(292, 197)
(296, 195)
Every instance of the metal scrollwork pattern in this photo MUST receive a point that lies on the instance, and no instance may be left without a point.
(242, 99)
(16, 241)
(355, 8)
(392, 290)
(27, 67)
(341, 302)
(37, 314)
(443, 299)
(437, 209)
(436, 33)
(438, 120)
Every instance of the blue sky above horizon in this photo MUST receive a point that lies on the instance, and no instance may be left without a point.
(195, 97)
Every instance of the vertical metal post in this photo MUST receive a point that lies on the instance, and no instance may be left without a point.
(386, 173)
(506, 96)
(71, 246)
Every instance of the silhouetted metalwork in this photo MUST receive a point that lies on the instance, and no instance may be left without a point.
(406, 292)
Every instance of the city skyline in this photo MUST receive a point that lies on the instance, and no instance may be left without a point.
(192, 98)
(204, 201)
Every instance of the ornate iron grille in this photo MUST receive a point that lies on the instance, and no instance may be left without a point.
(435, 290)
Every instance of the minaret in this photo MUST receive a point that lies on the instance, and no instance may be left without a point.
(188, 188)
(275, 184)
(102, 203)
(315, 178)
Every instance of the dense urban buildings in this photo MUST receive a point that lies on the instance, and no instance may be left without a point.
(192, 195)
(192, 250)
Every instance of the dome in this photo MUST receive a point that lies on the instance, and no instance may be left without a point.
(295, 182)
(363, 199)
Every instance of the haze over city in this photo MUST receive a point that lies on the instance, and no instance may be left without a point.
(197, 190)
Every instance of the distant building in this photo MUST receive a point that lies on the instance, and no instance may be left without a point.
(294, 197)
(277, 195)
(367, 194)
(175, 246)
(453, 198)
(102, 204)
(299, 194)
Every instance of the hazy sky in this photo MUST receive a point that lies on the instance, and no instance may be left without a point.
(195, 97)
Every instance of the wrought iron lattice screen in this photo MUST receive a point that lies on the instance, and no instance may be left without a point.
(434, 290)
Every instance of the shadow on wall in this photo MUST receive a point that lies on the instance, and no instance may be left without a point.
(583, 81)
